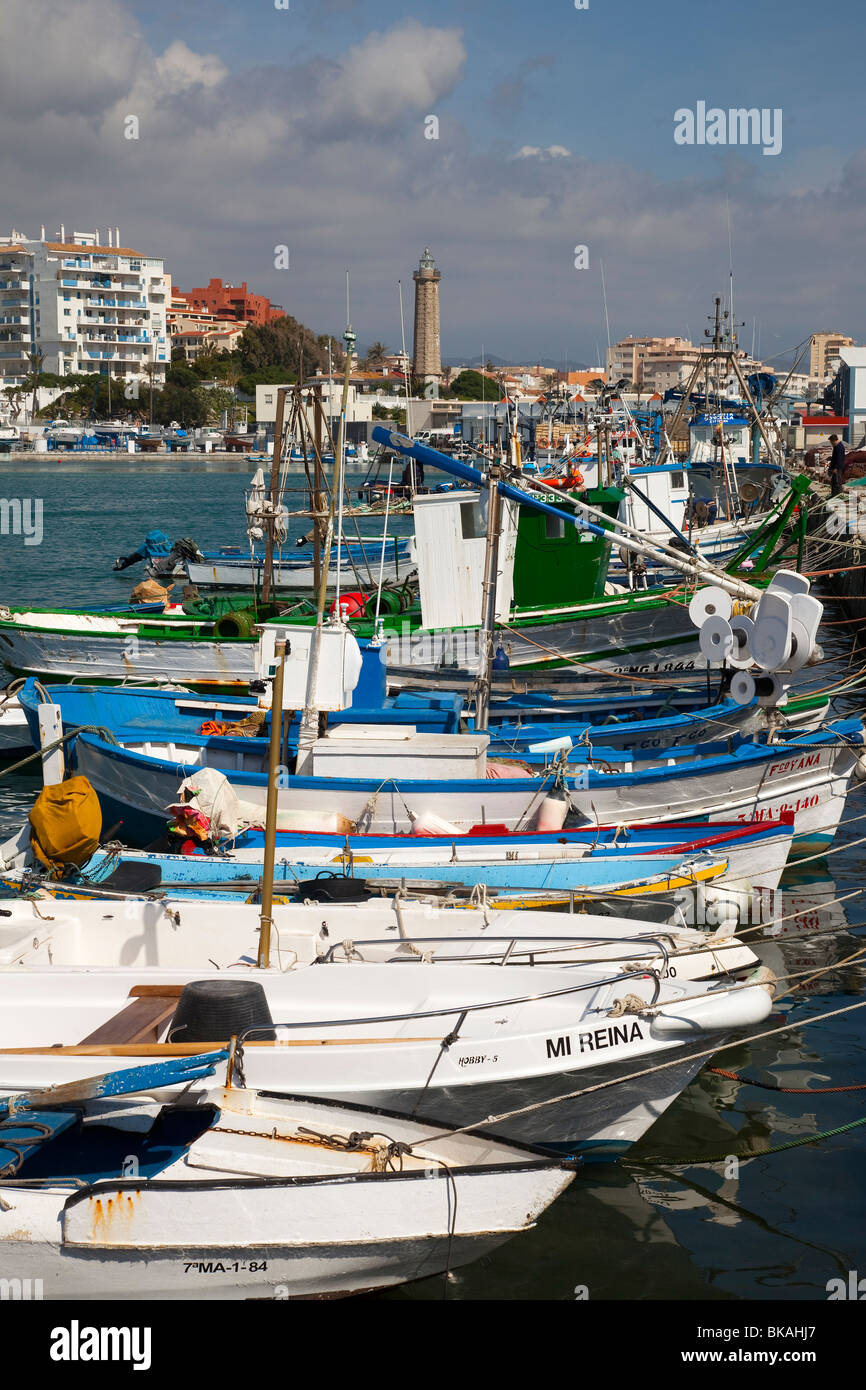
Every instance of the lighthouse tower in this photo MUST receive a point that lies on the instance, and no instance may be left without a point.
(427, 362)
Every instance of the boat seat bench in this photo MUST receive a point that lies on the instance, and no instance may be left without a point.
(141, 1020)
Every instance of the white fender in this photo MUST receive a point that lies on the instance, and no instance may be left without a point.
(718, 1012)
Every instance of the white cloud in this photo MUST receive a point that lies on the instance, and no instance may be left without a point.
(68, 58)
(180, 68)
(328, 156)
(537, 152)
(389, 78)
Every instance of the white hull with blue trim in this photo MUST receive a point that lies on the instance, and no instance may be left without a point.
(806, 777)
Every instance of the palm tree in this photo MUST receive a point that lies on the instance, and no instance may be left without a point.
(35, 358)
(150, 373)
(376, 354)
(231, 377)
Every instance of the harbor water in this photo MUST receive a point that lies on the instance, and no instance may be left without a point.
(775, 1217)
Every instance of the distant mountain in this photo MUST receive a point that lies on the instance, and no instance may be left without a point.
(474, 360)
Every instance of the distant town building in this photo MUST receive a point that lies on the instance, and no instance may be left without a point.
(197, 333)
(194, 340)
(234, 302)
(581, 380)
(824, 348)
(83, 305)
(427, 358)
(848, 393)
(396, 362)
(637, 359)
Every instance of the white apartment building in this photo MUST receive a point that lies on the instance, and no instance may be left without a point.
(359, 406)
(86, 306)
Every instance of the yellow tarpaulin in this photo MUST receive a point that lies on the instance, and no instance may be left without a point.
(65, 824)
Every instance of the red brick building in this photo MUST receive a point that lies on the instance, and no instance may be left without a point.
(234, 302)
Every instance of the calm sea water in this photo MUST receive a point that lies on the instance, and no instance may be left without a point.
(780, 1227)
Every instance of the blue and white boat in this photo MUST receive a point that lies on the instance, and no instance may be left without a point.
(516, 725)
(373, 780)
(625, 862)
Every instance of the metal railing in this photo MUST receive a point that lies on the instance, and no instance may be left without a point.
(462, 1009)
(662, 944)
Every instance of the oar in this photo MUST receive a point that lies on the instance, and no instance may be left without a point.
(173, 1072)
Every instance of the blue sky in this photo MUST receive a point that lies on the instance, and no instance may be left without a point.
(305, 127)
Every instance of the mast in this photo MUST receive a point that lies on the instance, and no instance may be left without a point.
(488, 599)
(309, 730)
(276, 458)
(266, 915)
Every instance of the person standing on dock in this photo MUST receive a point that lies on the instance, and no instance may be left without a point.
(837, 465)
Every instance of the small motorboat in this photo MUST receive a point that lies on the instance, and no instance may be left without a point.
(233, 1194)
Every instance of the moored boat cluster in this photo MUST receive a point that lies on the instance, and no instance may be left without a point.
(369, 898)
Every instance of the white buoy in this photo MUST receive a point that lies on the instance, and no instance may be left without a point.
(743, 688)
(716, 639)
(711, 602)
(563, 744)
(741, 629)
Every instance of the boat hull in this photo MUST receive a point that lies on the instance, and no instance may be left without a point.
(113, 1244)
(808, 781)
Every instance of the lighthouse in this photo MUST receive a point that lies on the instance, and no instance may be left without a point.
(427, 361)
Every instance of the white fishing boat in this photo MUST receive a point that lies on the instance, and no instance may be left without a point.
(100, 647)
(580, 1058)
(251, 1196)
(14, 734)
(190, 933)
(299, 576)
